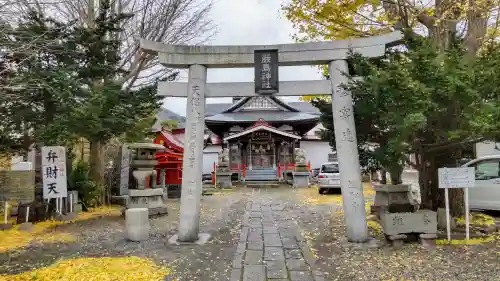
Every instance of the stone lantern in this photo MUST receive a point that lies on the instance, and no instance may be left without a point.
(145, 193)
(223, 173)
(301, 174)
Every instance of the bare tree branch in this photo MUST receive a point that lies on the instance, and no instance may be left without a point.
(167, 21)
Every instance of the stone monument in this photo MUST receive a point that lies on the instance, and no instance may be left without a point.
(301, 174)
(223, 173)
(145, 193)
(397, 206)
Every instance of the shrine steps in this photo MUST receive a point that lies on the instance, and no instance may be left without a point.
(262, 175)
(262, 184)
(262, 178)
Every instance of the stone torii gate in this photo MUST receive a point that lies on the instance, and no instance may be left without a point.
(198, 58)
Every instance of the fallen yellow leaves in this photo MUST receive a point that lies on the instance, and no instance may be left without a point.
(477, 219)
(375, 228)
(46, 231)
(472, 241)
(95, 269)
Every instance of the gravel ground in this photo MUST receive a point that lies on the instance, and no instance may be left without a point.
(105, 238)
(322, 226)
(318, 217)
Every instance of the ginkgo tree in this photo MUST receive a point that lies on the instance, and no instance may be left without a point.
(442, 22)
(477, 22)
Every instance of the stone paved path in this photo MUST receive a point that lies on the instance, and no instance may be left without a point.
(271, 247)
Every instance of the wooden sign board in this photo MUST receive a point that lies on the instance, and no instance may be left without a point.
(463, 177)
(266, 71)
(53, 172)
(261, 135)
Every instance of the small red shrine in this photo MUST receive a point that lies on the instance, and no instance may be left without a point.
(171, 158)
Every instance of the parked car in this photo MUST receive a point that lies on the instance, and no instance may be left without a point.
(485, 194)
(329, 177)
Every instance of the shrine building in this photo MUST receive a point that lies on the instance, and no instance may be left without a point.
(260, 132)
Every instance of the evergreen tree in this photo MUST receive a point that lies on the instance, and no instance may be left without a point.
(428, 102)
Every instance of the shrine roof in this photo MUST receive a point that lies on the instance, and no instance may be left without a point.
(269, 108)
(261, 125)
(234, 112)
(253, 116)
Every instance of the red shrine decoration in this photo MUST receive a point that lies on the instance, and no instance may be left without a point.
(171, 158)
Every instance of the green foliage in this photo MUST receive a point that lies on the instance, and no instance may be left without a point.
(59, 82)
(88, 191)
(140, 130)
(169, 124)
(422, 100)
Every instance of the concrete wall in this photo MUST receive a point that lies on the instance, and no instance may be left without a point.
(316, 152)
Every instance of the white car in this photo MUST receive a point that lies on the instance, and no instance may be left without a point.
(329, 177)
(486, 192)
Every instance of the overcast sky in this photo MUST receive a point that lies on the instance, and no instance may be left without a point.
(248, 22)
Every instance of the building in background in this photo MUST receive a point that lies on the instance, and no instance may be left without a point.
(261, 133)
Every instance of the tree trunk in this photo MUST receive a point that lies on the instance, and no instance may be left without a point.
(96, 165)
(395, 172)
(432, 196)
(383, 176)
(396, 177)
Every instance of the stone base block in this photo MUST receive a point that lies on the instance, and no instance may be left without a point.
(397, 243)
(151, 199)
(301, 179)
(5, 226)
(202, 239)
(422, 221)
(78, 208)
(26, 227)
(428, 240)
(397, 237)
(371, 243)
(137, 224)
(69, 216)
(159, 211)
(224, 180)
(120, 200)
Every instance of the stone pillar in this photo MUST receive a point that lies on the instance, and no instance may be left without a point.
(192, 166)
(162, 178)
(124, 169)
(274, 154)
(347, 151)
